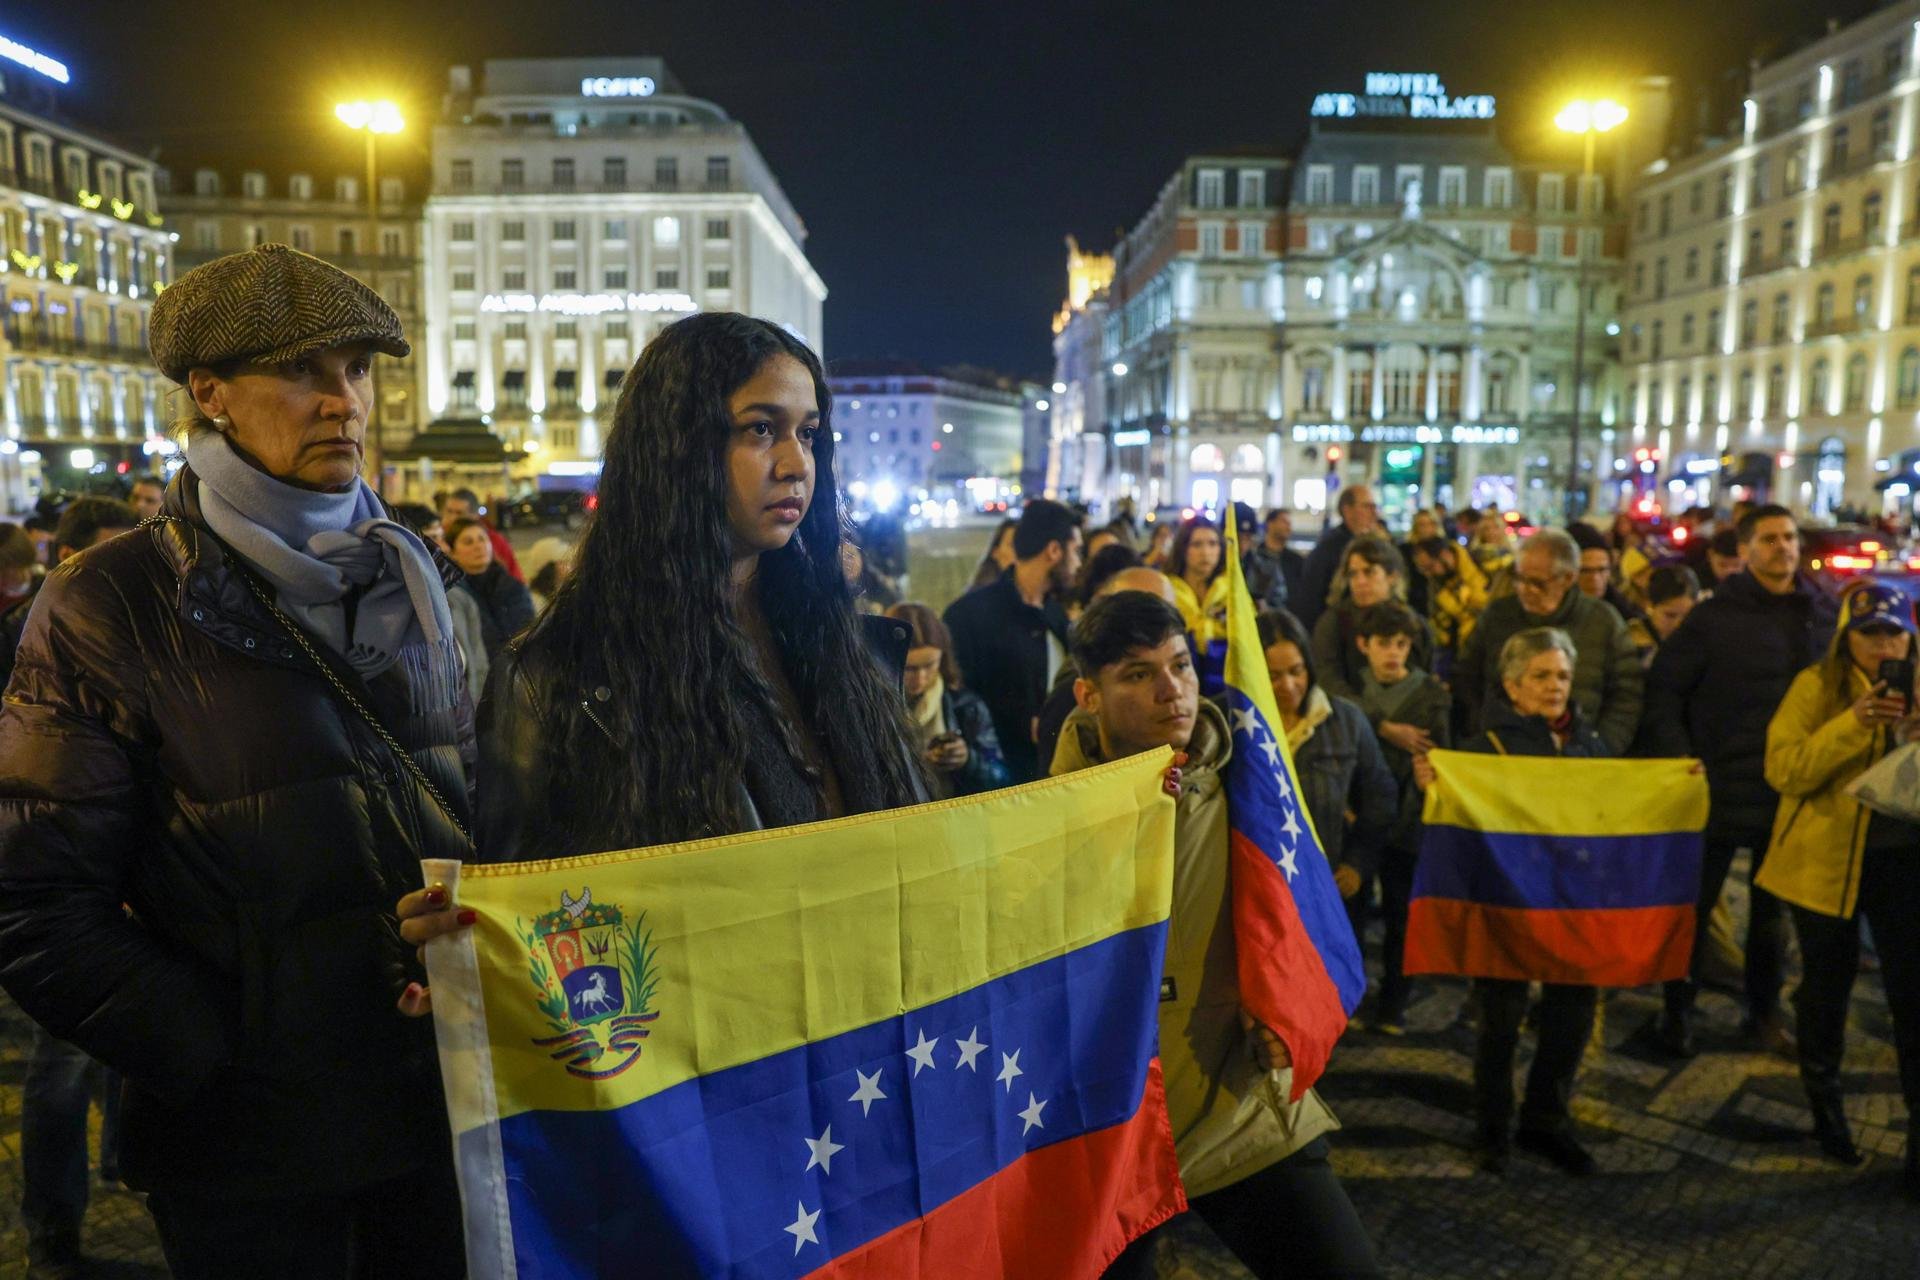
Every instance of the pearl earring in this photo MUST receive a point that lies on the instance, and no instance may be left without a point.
(222, 423)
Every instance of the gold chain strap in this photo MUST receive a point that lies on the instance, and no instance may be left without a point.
(352, 700)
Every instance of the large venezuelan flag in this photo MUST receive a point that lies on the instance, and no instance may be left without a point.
(1299, 963)
(906, 1044)
(1559, 870)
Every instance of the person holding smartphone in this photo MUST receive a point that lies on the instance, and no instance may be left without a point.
(1833, 861)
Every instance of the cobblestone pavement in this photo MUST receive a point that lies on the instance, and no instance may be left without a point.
(1706, 1166)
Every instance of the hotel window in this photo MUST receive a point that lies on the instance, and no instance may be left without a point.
(1453, 186)
(346, 190)
(719, 278)
(1830, 226)
(1366, 184)
(1862, 297)
(1658, 341)
(1253, 188)
(1856, 391)
(1837, 152)
(1743, 402)
(666, 173)
(460, 232)
(666, 231)
(513, 281)
(1210, 189)
(463, 390)
(1787, 239)
(1776, 391)
(463, 282)
(719, 173)
(514, 331)
(1404, 176)
(566, 279)
(1723, 195)
(1781, 310)
(392, 191)
(1906, 386)
(1822, 305)
(1212, 236)
(513, 174)
(566, 330)
(613, 173)
(349, 243)
(1759, 178)
(616, 277)
(1499, 187)
(1551, 189)
(1710, 397)
(463, 330)
(1718, 273)
(1820, 389)
(1693, 264)
(206, 235)
(614, 229)
(563, 174)
(1749, 321)
(1319, 184)
(667, 278)
(719, 228)
(616, 328)
(1686, 332)
(460, 175)
(301, 238)
(1253, 236)
(514, 230)
(1313, 387)
(1696, 197)
(563, 229)
(253, 186)
(1870, 212)
(1913, 292)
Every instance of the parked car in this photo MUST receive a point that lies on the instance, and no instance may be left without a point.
(566, 507)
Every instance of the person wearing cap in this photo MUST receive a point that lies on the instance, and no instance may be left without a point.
(1833, 862)
(246, 722)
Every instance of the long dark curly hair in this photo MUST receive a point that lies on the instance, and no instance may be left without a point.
(649, 610)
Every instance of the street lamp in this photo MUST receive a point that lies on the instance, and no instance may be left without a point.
(373, 119)
(1589, 120)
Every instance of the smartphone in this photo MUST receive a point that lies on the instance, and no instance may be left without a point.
(1897, 673)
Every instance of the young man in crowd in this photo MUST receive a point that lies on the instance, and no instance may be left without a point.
(1410, 711)
(1010, 636)
(146, 496)
(86, 521)
(1274, 564)
(1711, 691)
(1254, 1164)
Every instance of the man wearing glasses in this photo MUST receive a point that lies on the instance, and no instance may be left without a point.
(1607, 676)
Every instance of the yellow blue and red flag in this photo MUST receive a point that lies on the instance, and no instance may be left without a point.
(900, 1044)
(1558, 870)
(1299, 963)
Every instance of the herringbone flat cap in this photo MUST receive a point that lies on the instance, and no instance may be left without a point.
(268, 304)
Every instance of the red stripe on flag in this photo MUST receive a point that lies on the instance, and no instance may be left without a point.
(1060, 1212)
(1283, 981)
(1612, 947)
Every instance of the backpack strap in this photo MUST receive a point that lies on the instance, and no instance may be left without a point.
(1498, 745)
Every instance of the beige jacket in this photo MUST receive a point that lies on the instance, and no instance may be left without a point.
(1230, 1119)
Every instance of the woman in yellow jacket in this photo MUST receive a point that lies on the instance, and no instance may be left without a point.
(1831, 859)
(1197, 563)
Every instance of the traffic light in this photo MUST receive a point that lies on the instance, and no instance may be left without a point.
(1333, 456)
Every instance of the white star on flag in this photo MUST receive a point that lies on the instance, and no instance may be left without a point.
(1032, 1114)
(1272, 747)
(922, 1053)
(822, 1151)
(1009, 1068)
(802, 1228)
(1292, 825)
(1243, 720)
(1287, 864)
(969, 1050)
(869, 1091)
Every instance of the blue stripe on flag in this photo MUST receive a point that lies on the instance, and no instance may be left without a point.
(704, 1178)
(1264, 804)
(1507, 869)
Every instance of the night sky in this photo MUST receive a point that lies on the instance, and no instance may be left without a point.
(937, 152)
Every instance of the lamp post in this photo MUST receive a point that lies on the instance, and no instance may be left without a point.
(1588, 119)
(373, 119)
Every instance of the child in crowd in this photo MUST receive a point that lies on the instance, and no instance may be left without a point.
(1409, 710)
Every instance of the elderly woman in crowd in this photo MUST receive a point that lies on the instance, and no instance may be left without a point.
(1834, 862)
(1537, 718)
(246, 722)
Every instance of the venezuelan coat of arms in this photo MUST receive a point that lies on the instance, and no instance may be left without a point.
(595, 973)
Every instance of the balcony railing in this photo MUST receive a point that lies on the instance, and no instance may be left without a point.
(1840, 246)
(1833, 325)
(46, 344)
(631, 186)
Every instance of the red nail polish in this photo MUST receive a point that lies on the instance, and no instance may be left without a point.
(467, 917)
(412, 992)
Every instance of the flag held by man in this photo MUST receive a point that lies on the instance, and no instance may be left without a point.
(1300, 968)
(901, 1044)
(1558, 870)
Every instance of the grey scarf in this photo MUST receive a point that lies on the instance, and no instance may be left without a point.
(1387, 701)
(315, 548)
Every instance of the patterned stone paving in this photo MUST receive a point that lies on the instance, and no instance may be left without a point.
(1706, 1167)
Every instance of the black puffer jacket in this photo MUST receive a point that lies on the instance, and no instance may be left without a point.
(165, 745)
(1716, 682)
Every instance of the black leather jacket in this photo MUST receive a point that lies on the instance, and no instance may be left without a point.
(164, 745)
(516, 787)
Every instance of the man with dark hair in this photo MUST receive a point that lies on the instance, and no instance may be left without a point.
(456, 504)
(1010, 636)
(1268, 560)
(1597, 570)
(1359, 514)
(146, 495)
(1713, 687)
(86, 521)
(1724, 557)
(1254, 1164)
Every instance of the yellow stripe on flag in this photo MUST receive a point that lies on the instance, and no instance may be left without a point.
(1550, 796)
(761, 942)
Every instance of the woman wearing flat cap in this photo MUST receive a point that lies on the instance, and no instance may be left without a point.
(246, 722)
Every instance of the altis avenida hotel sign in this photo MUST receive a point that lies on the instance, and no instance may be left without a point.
(586, 304)
(1409, 95)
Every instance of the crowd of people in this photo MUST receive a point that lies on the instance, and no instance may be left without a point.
(242, 710)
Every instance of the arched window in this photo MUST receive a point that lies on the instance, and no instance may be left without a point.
(1830, 226)
(1862, 297)
(1249, 457)
(1208, 457)
(1820, 388)
(1856, 384)
(1823, 304)
(1710, 398)
(1776, 391)
(1907, 384)
(1743, 406)
(1870, 214)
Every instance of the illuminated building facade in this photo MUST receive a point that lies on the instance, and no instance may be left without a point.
(1772, 314)
(83, 253)
(903, 432)
(579, 205)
